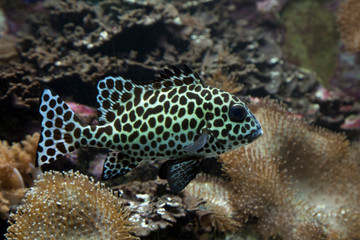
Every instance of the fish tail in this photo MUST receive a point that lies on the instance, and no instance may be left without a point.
(61, 129)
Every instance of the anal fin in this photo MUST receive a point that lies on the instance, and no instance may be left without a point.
(117, 164)
(179, 172)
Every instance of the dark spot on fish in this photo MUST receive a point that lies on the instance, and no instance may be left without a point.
(124, 118)
(117, 125)
(193, 123)
(67, 116)
(48, 124)
(59, 110)
(68, 138)
(133, 136)
(125, 96)
(52, 103)
(181, 112)
(144, 127)
(116, 138)
(50, 114)
(139, 111)
(137, 124)
(110, 116)
(105, 93)
(46, 97)
(166, 135)
(118, 85)
(58, 122)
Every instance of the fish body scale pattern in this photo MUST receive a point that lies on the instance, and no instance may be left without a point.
(174, 118)
(161, 125)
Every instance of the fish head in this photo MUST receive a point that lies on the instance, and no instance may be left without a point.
(235, 125)
(242, 118)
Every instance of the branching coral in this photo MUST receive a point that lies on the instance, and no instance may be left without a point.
(349, 24)
(300, 182)
(16, 171)
(70, 206)
(20, 95)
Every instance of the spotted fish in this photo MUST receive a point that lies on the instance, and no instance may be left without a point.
(174, 117)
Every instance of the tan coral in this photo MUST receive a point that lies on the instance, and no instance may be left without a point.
(348, 19)
(17, 171)
(226, 83)
(301, 182)
(70, 206)
(218, 205)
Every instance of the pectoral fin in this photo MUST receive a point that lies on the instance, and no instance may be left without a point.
(179, 172)
(198, 144)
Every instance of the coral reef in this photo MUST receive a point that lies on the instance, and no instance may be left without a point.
(194, 213)
(348, 19)
(18, 99)
(99, 40)
(8, 50)
(335, 110)
(221, 81)
(218, 211)
(70, 206)
(153, 207)
(297, 181)
(17, 171)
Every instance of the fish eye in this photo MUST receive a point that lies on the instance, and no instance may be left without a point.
(237, 113)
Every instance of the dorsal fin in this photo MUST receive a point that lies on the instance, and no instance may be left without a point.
(115, 91)
(176, 77)
(172, 78)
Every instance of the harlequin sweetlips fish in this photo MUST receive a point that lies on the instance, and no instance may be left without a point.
(174, 117)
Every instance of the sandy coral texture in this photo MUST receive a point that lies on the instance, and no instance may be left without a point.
(297, 181)
(70, 206)
(16, 171)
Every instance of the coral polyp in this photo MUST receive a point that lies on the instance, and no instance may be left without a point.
(70, 206)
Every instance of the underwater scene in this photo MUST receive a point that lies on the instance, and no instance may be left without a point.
(202, 119)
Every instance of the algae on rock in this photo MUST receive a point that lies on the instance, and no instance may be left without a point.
(311, 40)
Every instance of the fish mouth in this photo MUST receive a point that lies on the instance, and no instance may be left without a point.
(255, 134)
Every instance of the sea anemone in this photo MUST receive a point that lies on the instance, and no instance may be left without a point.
(217, 207)
(297, 181)
(70, 206)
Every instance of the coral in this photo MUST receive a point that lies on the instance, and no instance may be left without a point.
(348, 19)
(70, 206)
(152, 206)
(217, 207)
(112, 38)
(191, 214)
(8, 50)
(221, 81)
(335, 110)
(22, 96)
(17, 171)
(297, 181)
